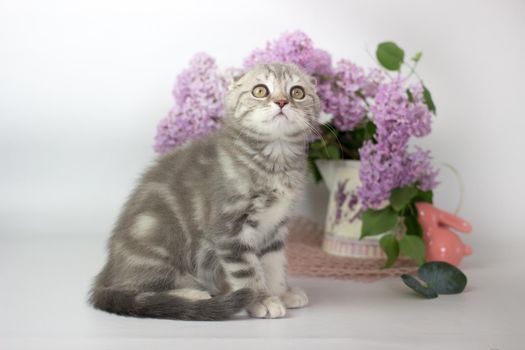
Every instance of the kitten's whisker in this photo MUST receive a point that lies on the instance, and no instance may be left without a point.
(331, 129)
(325, 144)
(314, 130)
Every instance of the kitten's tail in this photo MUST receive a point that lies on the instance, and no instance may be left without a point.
(164, 305)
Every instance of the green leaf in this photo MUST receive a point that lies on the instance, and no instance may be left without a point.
(370, 130)
(401, 197)
(413, 247)
(427, 97)
(314, 153)
(417, 56)
(410, 96)
(412, 224)
(315, 171)
(424, 196)
(360, 94)
(332, 152)
(419, 287)
(317, 144)
(354, 139)
(390, 55)
(376, 222)
(443, 277)
(391, 248)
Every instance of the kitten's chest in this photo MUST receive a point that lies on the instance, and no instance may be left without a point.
(271, 205)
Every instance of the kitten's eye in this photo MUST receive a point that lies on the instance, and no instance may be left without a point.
(260, 91)
(297, 93)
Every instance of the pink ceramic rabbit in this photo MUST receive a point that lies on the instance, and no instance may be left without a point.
(442, 244)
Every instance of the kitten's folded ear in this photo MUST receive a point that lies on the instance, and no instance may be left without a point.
(233, 76)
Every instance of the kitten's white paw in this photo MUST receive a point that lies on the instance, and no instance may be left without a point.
(270, 307)
(294, 298)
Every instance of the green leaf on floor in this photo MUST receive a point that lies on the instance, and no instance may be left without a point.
(443, 277)
(436, 277)
(419, 287)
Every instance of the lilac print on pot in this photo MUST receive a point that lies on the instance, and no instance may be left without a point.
(340, 198)
(343, 219)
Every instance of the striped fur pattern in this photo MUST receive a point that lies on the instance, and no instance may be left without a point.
(202, 235)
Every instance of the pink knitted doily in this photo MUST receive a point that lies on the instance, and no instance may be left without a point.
(306, 258)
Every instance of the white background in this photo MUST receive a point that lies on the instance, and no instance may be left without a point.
(83, 85)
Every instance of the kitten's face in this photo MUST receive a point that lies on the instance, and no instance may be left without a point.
(275, 100)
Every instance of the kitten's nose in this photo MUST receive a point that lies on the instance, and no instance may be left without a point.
(281, 103)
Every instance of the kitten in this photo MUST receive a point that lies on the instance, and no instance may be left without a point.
(202, 236)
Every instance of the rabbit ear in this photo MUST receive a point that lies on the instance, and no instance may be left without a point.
(454, 221)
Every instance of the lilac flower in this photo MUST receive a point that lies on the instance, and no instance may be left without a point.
(419, 114)
(397, 118)
(319, 64)
(296, 47)
(421, 169)
(388, 164)
(199, 90)
(379, 173)
(293, 47)
(340, 98)
(198, 93)
(373, 79)
(382, 170)
(345, 95)
(257, 56)
(347, 92)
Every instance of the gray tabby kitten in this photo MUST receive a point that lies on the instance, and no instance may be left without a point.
(202, 236)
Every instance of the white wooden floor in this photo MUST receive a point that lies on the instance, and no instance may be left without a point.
(44, 281)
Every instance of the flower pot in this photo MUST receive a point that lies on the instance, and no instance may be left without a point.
(343, 218)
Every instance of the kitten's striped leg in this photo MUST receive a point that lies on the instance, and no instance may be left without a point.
(244, 270)
(274, 263)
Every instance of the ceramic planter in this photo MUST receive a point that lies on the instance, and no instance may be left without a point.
(343, 219)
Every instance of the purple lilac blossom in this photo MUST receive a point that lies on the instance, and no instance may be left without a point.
(293, 47)
(345, 96)
(396, 118)
(198, 92)
(382, 171)
(388, 164)
(422, 170)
